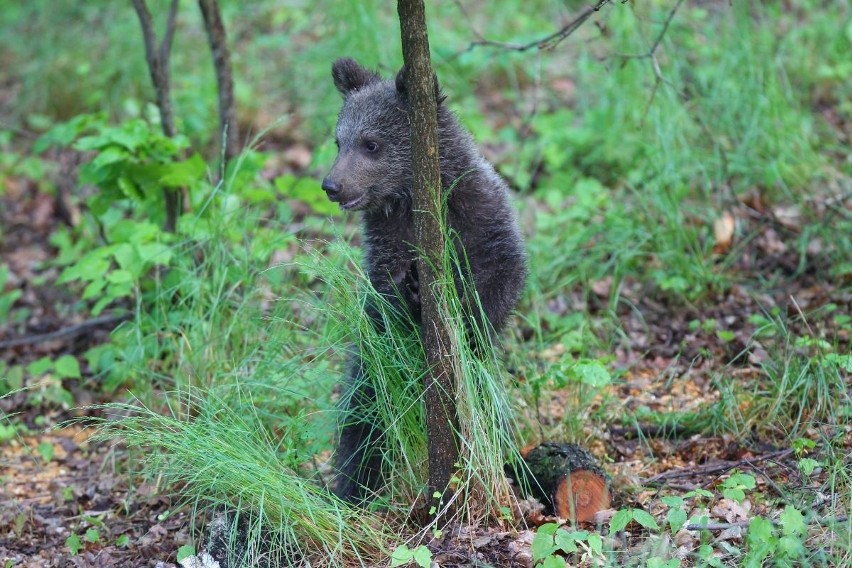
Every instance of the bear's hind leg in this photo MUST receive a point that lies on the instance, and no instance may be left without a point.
(358, 459)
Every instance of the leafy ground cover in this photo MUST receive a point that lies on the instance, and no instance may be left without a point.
(685, 186)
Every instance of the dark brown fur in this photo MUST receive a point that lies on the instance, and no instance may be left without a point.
(372, 174)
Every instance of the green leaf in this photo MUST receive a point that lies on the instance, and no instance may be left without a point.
(91, 267)
(74, 544)
(676, 519)
(45, 449)
(593, 374)
(760, 530)
(548, 528)
(725, 335)
(109, 156)
(122, 541)
(553, 562)
(700, 492)
(792, 521)
(807, 466)
(842, 361)
(672, 500)
(620, 520)
(401, 556)
(744, 480)
(154, 253)
(566, 542)
(791, 546)
(659, 562)
(120, 276)
(94, 288)
(595, 543)
(40, 366)
(67, 367)
(185, 551)
(645, 519)
(7, 432)
(542, 545)
(92, 535)
(180, 174)
(422, 556)
(734, 494)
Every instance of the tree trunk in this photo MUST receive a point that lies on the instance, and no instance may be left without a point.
(228, 131)
(158, 66)
(441, 356)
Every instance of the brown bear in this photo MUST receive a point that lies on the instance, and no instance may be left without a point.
(372, 175)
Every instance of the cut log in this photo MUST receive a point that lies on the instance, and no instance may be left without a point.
(568, 480)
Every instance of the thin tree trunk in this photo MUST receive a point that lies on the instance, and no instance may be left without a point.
(158, 66)
(441, 356)
(228, 132)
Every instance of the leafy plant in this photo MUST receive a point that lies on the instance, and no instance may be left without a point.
(549, 540)
(736, 485)
(403, 556)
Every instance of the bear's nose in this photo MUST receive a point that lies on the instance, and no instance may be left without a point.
(330, 188)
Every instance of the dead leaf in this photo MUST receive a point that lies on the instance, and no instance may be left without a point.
(731, 511)
(723, 232)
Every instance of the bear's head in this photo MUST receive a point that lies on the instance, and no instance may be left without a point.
(373, 166)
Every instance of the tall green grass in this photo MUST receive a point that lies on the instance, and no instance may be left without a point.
(241, 415)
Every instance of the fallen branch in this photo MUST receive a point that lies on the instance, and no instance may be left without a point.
(71, 331)
(745, 524)
(719, 467)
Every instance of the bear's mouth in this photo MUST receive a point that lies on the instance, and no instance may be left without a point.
(352, 204)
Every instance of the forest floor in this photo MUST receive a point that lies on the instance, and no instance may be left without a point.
(56, 483)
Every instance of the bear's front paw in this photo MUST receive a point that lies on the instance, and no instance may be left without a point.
(412, 284)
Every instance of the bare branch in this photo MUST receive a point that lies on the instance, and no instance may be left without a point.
(547, 42)
(166, 45)
(158, 66)
(228, 132)
(652, 55)
(745, 524)
(65, 333)
(718, 467)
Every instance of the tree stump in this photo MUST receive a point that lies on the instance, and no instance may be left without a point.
(568, 480)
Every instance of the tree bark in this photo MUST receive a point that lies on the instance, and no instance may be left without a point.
(158, 66)
(441, 416)
(228, 131)
(568, 480)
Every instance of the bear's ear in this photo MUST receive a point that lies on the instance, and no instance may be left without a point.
(349, 76)
(402, 86)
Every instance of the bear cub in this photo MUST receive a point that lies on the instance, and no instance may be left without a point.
(372, 174)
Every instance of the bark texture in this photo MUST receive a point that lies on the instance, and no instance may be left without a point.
(441, 415)
(158, 66)
(228, 130)
(568, 480)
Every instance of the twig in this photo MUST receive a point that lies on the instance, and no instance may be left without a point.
(745, 524)
(652, 55)
(70, 331)
(652, 431)
(547, 42)
(716, 467)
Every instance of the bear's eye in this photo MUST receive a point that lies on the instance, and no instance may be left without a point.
(371, 146)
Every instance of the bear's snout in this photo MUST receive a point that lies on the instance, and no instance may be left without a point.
(331, 189)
